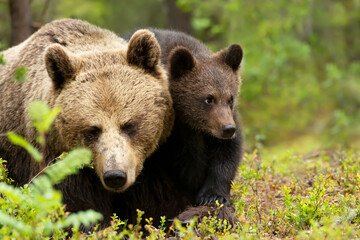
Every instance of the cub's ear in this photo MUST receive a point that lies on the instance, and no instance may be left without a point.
(61, 65)
(231, 56)
(181, 62)
(144, 51)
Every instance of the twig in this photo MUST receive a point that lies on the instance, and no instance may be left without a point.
(42, 170)
(257, 208)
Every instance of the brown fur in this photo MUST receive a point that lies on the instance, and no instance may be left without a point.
(114, 97)
(200, 80)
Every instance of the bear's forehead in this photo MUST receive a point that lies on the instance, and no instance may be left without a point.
(216, 78)
(115, 92)
(101, 59)
(104, 108)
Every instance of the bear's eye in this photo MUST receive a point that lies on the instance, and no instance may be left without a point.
(92, 134)
(231, 101)
(209, 100)
(129, 128)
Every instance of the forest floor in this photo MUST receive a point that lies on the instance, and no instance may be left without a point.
(307, 194)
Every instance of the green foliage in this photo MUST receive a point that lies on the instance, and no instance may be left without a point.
(3, 172)
(2, 60)
(42, 117)
(301, 64)
(20, 75)
(213, 225)
(36, 211)
(22, 142)
(300, 211)
(119, 16)
(313, 202)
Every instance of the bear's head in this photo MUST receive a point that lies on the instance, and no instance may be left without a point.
(205, 91)
(117, 103)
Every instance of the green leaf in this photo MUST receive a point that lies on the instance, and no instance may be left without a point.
(11, 192)
(38, 110)
(46, 199)
(201, 23)
(71, 163)
(22, 142)
(2, 60)
(42, 115)
(50, 117)
(83, 217)
(20, 75)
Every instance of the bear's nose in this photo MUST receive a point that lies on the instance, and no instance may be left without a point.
(115, 178)
(228, 131)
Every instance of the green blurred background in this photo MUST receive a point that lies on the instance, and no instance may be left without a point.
(301, 71)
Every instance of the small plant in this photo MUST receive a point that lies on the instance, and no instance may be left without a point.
(212, 225)
(3, 172)
(185, 232)
(36, 210)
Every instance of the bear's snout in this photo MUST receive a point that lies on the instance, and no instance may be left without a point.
(115, 178)
(228, 131)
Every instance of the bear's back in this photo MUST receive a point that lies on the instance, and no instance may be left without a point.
(76, 35)
(169, 39)
(79, 36)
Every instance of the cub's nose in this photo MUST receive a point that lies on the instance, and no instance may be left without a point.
(228, 131)
(115, 178)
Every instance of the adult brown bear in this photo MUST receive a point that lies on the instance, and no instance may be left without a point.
(114, 97)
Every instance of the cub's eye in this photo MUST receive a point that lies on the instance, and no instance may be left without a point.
(92, 134)
(209, 100)
(129, 128)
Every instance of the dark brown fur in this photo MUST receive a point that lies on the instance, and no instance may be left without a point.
(196, 165)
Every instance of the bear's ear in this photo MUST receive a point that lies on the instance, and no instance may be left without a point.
(144, 51)
(231, 56)
(60, 65)
(181, 62)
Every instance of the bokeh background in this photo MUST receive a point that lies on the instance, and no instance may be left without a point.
(301, 71)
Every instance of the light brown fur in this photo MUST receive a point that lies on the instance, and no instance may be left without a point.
(98, 81)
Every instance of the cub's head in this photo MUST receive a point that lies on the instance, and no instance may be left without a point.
(116, 103)
(205, 91)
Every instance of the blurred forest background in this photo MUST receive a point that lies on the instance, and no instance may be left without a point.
(301, 72)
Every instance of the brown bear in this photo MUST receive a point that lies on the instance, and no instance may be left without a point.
(115, 100)
(198, 162)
